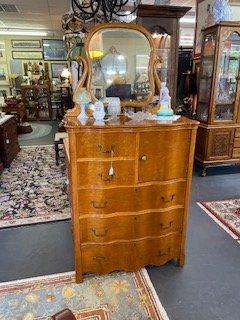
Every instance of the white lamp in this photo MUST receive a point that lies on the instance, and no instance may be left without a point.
(66, 74)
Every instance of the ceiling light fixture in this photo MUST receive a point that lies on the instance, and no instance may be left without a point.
(22, 32)
(106, 10)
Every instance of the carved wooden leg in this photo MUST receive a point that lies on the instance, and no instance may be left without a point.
(203, 171)
(181, 260)
(79, 276)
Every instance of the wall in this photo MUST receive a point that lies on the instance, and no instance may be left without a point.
(9, 49)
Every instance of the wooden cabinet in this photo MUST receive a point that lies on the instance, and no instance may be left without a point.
(218, 106)
(37, 100)
(138, 215)
(9, 146)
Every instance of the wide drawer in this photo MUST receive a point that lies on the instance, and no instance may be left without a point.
(236, 153)
(99, 145)
(131, 226)
(237, 133)
(96, 173)
(130, 199)
(237, 143)
(130, 255)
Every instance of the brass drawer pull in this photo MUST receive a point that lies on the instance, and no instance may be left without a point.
(168, 199)
(99, 205)
(100, 234)
(99, 258)
(166, 227)
(101, 148)
(143, 158)
(106, 177)
(166, 253)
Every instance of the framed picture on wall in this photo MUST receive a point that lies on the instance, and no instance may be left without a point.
(57, 69)
(54, 49)
(26, 44)
(2, 52)
(27, 55)
(4, 74)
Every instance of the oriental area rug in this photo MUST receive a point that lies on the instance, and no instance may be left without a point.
(226, 214)
(117, 296)
(33, 189)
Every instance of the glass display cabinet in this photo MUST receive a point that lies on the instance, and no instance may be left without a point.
(37, 100)
(218, 139)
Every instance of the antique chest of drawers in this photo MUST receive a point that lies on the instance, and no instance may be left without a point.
(9, 146)
(129, 189)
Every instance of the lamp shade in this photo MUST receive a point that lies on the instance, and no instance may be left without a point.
(65, 73)
(96, 46)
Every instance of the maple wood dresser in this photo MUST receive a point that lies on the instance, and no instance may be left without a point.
(129, 186)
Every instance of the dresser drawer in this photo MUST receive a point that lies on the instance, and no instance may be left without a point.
(130, 199)
(236, 153)
(132, 226)
(236, 143)
(99, 145)
(237, 133)
(96, 173)
(163, 155)
(107, 258)
(129, 255)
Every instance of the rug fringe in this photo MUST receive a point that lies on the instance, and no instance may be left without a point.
(154, 293)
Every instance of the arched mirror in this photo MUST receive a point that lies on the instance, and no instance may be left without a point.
(121, 61)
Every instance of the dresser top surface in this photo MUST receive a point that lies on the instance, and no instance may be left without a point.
(5, 119)
(127, 123)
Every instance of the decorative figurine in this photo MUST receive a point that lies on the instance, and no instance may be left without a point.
(165, 109)
(83, 99)
(99, 112)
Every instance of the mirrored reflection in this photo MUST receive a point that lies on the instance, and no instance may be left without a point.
(120, 64)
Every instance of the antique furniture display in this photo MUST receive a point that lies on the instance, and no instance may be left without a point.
(218, 138)
(9, 146)
(163, 23)
(137, 215)
(129, 182)
(37, 99)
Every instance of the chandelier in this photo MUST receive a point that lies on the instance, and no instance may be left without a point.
(106, 10)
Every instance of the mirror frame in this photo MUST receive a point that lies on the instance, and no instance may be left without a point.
(152, 59)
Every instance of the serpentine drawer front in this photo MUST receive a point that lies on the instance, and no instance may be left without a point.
(130, 226)
(131, 199)
(130, 187)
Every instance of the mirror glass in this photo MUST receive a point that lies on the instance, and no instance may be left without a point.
(120, 64)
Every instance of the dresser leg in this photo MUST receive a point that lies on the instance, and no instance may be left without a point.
(203, 171)
(79, 277)
(181, 260)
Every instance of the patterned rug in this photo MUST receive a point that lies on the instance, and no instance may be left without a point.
(33, 189)
(117, 296)
(226, 213)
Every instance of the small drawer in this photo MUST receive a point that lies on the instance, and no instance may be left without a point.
(236, 153)
(237, 133)
(133, 226)
(236, 143)
(130, 199)
(96, 173)
(99, 145)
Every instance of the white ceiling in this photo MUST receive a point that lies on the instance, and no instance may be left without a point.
(46, 14)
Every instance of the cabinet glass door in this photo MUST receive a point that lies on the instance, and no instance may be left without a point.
(205, 81)
(228, 79)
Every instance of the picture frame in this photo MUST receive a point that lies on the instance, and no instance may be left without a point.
(2, 52)
(57, 68)
(27, 55)
(26, 44)
(54, 50)
(4, 79)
